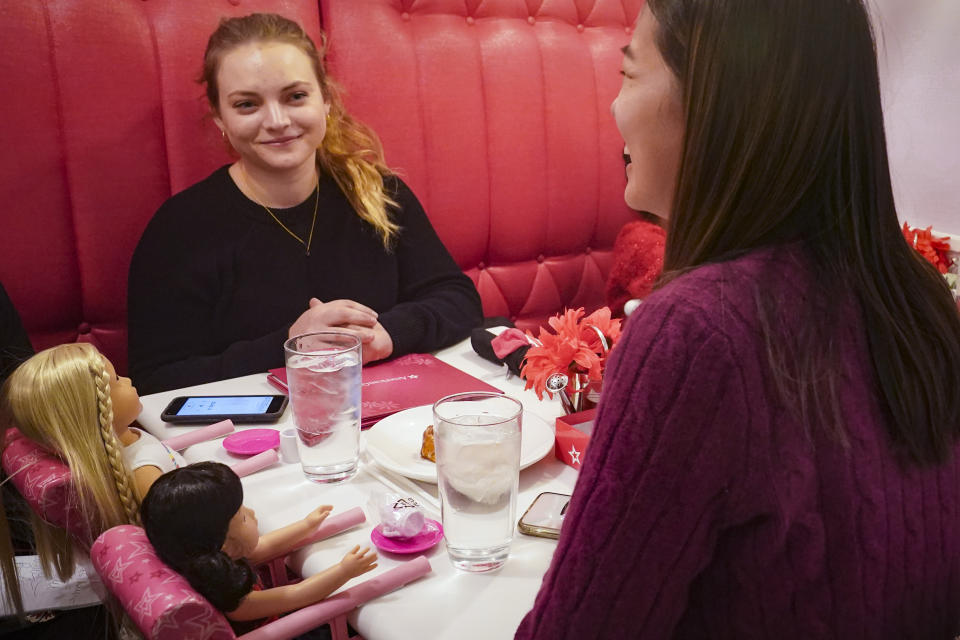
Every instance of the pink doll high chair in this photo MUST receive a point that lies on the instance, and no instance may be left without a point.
(44, 480)
(45, 483)
(164, 606)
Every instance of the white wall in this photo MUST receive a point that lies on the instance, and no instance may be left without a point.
(919, 55)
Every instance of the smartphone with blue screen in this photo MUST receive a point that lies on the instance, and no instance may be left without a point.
(209, 409)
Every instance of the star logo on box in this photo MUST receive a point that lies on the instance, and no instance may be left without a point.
(574, 455)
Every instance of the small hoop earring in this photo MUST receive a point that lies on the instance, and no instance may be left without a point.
(223, 134)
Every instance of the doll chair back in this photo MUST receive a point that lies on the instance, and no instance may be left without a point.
(44, 480)
(163, 605)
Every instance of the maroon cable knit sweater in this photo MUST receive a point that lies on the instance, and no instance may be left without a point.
(704, 511)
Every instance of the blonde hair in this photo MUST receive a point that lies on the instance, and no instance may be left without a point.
(60, 398)
(351, 153)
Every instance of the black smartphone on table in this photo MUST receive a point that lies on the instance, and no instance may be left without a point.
(208, 409)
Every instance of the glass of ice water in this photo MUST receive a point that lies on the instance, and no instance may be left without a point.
(323, 375)
(477, 437)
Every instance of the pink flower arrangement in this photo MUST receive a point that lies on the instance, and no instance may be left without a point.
(574, 348)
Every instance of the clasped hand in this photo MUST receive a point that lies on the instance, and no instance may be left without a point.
(349, 316)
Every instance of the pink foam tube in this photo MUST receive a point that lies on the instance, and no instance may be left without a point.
(330, 527)
(215, 430)
(316, 614)
(334, 524)
(255, 463)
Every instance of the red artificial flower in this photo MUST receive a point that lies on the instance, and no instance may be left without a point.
(935, 250)
(574, 347)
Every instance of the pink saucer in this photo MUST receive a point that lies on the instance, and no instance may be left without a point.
(428, 537)
(250, 442)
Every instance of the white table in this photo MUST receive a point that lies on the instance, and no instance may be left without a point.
(447, 603)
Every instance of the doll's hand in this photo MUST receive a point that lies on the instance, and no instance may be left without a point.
(316, 517)
(358, 561)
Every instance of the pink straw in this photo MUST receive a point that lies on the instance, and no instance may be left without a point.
(255, 463)
(215, 430)
(316, 614)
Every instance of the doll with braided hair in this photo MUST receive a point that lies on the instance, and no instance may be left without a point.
(70, 400)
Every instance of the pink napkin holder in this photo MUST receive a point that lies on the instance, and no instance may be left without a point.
(573, 434)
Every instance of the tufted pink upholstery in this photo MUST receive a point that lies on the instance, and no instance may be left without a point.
(45, 483)
(495, 111)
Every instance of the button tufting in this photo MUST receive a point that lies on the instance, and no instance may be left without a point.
(405, 16)
(83, 329)
(481, 266)
(470, 20)
(531, 19)
(627, 30)
(540, 258)
(580, 28)
(235, 3)
(587, 250)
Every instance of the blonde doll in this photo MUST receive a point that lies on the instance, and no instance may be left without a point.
(70, 400)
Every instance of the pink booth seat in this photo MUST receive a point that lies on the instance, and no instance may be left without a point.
(45, 483)
(495, 112)
(164, 605)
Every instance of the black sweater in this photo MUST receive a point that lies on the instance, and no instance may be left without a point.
(215, 283)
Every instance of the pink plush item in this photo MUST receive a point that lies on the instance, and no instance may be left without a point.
(508, 342)
(44, 480)
(637, 263)
(160, 601)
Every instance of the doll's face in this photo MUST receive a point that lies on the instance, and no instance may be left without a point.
(123, 395)
(243, 534)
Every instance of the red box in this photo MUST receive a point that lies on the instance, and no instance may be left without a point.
(573, 433)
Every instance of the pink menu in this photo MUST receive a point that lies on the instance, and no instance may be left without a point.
(409, 381)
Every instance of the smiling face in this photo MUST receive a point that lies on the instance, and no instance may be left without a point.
(270, 106)
(649, 115)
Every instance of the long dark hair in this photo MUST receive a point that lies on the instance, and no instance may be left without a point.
(784, 142)
(186, 514)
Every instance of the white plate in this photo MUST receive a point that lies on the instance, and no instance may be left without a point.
(394, 442)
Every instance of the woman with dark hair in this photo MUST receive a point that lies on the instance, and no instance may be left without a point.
(308, 230)
(195, 520)
(775, 453)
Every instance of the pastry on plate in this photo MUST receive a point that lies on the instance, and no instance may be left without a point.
(427, 450)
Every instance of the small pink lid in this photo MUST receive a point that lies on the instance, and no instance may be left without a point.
(429, 536)
(250, 442)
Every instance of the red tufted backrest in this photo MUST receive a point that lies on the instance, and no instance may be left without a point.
(495, 111)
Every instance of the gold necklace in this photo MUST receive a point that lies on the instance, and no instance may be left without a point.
(313, 223)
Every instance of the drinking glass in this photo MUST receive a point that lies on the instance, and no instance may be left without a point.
(323, 375)
(477, 437)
